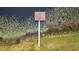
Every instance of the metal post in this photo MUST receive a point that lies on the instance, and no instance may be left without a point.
(39, 34)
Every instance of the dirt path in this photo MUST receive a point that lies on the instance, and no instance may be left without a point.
(64, 35)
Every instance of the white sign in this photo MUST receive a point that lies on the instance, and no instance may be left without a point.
(40, 16)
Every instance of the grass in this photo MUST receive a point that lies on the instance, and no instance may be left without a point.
(62, 42)
(58, 42)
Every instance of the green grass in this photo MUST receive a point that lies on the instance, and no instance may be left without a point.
(58, 42)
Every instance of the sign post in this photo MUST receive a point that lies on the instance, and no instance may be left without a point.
(39, 33)
(39, 16)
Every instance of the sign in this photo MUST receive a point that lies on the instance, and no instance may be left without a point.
(39, 16)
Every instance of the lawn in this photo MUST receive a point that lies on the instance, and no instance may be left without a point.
(58, 42)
